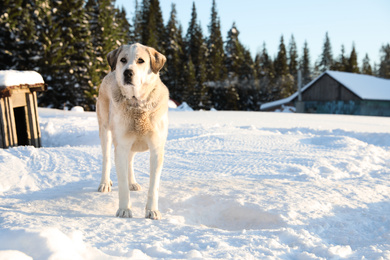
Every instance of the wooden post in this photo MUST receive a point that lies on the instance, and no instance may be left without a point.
(33, 130)
(8, 127)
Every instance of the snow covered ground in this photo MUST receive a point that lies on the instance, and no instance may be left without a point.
(239, 185)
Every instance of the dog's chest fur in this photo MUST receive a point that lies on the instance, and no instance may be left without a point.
(136, 115)
(139, 121)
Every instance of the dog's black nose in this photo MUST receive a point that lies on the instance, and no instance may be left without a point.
(128, 73)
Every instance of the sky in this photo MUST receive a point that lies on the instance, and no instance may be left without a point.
(363, 23)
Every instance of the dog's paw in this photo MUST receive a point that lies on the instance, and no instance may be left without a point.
(105, 187)
(153, 214)
(124, 213)
(135, 187)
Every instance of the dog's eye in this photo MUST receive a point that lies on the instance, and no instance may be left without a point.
(140, 61)
(123, 60)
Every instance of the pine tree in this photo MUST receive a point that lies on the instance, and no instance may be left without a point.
(124, 27)
(366, 68)
(305, 65)
(384, 66)
(234, 53)
(326, 61)
(352, 62)
(285, 83)
(196, 49)
(266, 74)
(341, 64)
(281, 66)
(136, 29)
(216, 70)
(189, 94)
(109, 29)
(293, 58)
(18, 25)
(174, 53)
(68, 56)
(152, 25)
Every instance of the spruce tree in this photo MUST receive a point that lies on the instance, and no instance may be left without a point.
(136, 28)
(342, 63)
(152, 25)
(124, 28)
(384, 66)
(109, 29)
(234, 54)
(189, 93)
(18, 25)
(305, 65)
(216, 70)
(69, 55)
(281, 66)
(326, 61)
(196, 49)
(293, 57)
(266, 75)
(352, 62)
(174, 52)
(366, 67)
(285, 83)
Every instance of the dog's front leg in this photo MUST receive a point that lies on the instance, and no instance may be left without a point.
(156, 163)
(121, 164)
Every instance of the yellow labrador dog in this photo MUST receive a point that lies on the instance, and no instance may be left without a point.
(132, 110)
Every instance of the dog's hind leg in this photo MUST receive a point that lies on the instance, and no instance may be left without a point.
(133, 185)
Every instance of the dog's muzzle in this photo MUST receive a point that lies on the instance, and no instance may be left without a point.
(128, 74)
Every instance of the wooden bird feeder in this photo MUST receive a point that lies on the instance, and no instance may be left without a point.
(19, 123)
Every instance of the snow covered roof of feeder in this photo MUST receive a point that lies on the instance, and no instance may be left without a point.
(12, 80)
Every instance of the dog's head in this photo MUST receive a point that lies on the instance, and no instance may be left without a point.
(136, 68)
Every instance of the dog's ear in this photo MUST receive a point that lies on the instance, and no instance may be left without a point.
(112, 57)
(157, 60)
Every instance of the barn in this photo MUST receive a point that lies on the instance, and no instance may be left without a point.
(335, 92)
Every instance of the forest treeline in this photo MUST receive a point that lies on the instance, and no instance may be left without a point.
(67, 41)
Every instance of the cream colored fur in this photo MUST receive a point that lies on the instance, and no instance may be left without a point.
(132, 111)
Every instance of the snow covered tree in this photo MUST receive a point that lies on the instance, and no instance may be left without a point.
(19, 25)
(305, 65)
(384, 66)
(233, 52)
(366, 67)
(235, 55)
(352, 62)
(326, 61)
(68, 56)
(215, 61)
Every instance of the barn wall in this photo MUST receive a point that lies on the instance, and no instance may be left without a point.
(328, 89)
(352, 107)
